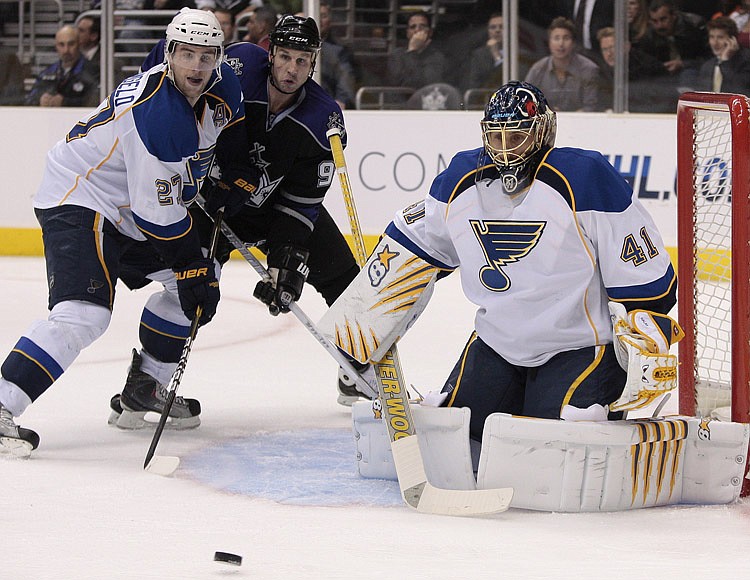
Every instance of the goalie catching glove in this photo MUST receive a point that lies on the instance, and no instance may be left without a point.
(233, 190)
(641, 341)
(287, 266)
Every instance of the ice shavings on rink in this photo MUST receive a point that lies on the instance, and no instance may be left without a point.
(314, 467)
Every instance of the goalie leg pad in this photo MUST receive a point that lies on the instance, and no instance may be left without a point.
(443, 442)
(381, 303)
(575, 466)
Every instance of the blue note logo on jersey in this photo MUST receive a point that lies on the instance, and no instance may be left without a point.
(503, 243)
(197, 168)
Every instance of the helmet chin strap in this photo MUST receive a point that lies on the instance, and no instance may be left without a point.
(277, 87)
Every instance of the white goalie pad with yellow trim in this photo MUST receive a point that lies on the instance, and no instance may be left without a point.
(569, 466)
(381, 303)
(587, 466)
(642, 340)
(443, 442)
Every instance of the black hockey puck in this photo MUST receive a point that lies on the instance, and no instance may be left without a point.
(228, 558)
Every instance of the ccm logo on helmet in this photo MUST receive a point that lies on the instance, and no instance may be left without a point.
(297, 38)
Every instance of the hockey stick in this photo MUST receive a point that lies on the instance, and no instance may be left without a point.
(166, 464)
(416, 491)
(337, 355)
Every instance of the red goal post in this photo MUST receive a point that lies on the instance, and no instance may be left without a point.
(713, 253)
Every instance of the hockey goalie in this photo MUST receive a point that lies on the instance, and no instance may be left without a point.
(572, 285)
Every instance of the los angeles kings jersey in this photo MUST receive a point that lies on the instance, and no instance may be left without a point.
(541, 267)
(290, 148)
(142, 155)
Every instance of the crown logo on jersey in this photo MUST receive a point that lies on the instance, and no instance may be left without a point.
(435, 100)
(236, 64)
(336, 122)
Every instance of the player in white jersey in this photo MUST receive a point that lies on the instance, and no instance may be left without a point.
(544, 237)
(112, 204)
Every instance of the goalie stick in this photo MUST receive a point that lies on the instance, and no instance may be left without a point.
(416, 490)
(167, 464)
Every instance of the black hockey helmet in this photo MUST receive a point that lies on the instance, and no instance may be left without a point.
(296, 32)
(518, 108)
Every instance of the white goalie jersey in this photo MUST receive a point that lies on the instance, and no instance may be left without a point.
(541, 267)
(142, 155)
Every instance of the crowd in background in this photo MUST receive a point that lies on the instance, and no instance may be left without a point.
(565, 47)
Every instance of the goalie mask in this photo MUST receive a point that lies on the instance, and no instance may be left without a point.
(196, 28)
(296, 33)
(517, 129)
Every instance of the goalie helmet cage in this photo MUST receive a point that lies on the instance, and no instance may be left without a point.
(713, 229)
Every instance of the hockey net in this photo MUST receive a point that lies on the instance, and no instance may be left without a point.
(713, 189)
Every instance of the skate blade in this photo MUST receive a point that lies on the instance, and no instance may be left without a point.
(133, 420)
(16, 447)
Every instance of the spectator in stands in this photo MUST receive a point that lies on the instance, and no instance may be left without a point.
(588, 17)
(419, 63)
(71, 81)
(728, 70)
(725, 8)
(11, 78)
(259, 26)
(741, 16)
(570, 81)
(678, 40)
(89, 35)
(337, 71)
(643, 70)
(227, 20)
(637, 14)
(486, 62)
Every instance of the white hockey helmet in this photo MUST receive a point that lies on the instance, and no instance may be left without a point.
(197, 28)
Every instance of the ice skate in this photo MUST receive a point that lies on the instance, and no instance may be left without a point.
(15, 440)
(142, 401)
(348, 393)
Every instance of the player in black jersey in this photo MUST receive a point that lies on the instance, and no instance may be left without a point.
(274, 194)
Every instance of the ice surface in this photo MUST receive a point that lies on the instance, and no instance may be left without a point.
(270, 474)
